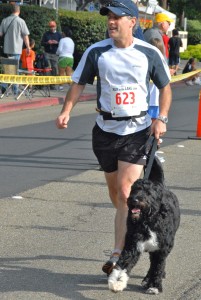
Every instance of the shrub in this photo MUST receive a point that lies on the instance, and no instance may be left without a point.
(36, 18)
(194, 32)
(192, 51)
(194, 25)
(185, 55)
(194, 38)
(87, 28)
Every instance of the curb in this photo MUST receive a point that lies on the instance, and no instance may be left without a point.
(42, 102)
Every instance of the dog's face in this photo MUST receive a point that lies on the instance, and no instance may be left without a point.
(144, 200)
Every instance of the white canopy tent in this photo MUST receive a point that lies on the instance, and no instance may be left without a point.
(152, 9)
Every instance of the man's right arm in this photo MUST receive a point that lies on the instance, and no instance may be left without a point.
(72, 98)
(26, 41)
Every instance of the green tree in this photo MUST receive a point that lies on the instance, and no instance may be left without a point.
(190, 9)
(163, 3)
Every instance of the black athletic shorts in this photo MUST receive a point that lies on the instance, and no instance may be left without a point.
(110, 147)
(173, 60)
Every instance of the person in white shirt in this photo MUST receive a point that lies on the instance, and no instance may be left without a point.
(65, 51)
(123, 67)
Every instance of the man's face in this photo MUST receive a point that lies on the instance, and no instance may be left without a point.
(120, 27)
(52, 28)
(165, 26)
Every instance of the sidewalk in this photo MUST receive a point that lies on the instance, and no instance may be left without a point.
(56, 97)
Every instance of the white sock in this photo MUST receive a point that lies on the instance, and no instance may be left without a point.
(116, 251)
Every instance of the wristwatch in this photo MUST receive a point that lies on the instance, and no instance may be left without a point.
(164, 119)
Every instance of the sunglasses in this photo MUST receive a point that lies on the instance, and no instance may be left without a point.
(118, 4)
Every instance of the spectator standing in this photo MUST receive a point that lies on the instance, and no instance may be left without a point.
(123, 66)
(165, 41)
(15, 32)
(174, 43)
(65, 51)
(50, 42)
(161, 26)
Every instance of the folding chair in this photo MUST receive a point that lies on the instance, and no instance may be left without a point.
(9, 66)
(41, 68)
(44, 90)
(27, 89)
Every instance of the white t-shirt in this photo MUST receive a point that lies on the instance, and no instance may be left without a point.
(113, 66)
(66, 47)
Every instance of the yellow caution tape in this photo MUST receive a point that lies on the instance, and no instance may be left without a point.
(183, 76)
(34, 80)
(44, 80)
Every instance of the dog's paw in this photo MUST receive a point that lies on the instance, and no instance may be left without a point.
(117, 286)
(117, 280)
(152, 291)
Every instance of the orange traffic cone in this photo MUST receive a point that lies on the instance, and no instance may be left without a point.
(198, 133)
(199, 118)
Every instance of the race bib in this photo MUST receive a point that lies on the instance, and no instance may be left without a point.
(125, 100)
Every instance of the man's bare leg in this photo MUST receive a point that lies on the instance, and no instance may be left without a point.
(119, 185)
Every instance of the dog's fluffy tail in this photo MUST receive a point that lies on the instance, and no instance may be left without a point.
(157, 174)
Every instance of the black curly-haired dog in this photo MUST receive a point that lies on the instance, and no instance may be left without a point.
(153, 219)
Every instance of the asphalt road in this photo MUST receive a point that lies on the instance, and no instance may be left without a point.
(56, 235)
(183, 114)
(33, 151)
